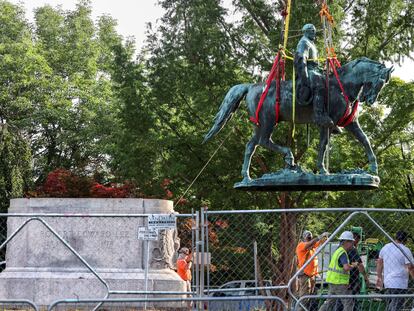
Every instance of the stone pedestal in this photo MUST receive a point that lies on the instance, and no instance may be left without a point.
(40, 268)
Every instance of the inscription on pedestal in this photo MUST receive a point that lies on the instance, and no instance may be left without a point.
(104, 237)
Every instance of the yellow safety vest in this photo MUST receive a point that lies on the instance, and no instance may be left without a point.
(336, 274)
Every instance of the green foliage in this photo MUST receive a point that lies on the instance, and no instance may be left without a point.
(56, 86)
(84, 103)
(15, 166)
(381, 29)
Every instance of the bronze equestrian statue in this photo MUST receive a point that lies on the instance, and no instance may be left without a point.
(362, 80)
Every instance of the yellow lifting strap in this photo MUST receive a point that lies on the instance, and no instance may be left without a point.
(287, 20)
(285, 56)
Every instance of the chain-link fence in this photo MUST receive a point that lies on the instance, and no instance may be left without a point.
(263, 249)
(237, 255)
(374, 302)
(246, 303)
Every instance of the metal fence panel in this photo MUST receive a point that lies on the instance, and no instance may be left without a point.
(239, 254)
(233, 236)
(246, 303)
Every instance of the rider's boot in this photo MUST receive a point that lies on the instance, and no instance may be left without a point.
(320, 116)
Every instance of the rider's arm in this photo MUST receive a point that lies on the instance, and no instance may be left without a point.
(301, 59)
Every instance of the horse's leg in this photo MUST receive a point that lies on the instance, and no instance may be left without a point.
(359, 134)
(248, 153)
(323, 142)
(266, 141)
(288, 155)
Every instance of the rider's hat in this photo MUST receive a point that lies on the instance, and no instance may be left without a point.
(308, 27)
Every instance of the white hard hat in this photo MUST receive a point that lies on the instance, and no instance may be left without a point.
(346, 236)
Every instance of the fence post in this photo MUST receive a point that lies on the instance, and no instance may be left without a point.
(197, 245)
(146, 272)
(256, 277)
(202, 263)
(193, 246)
(207, 251)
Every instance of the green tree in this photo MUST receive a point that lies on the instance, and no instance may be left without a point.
(75, 118)
(15, 166)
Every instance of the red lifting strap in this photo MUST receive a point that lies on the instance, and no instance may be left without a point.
(277, 72)
(348, 116)
(280, 75)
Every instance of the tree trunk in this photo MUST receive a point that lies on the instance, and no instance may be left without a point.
(284, 266)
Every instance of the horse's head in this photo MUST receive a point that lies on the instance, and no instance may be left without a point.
(374, 76)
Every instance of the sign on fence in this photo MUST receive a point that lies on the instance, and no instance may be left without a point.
(147, 234)
(162, 221)
(202, 257)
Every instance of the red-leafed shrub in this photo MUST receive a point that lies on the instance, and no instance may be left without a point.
(168, 194)
(56, 183)
(101, 191)
(62, 183)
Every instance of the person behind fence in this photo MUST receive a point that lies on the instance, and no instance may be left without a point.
(338, 274)
(394, 264)
(354, 280)
(305, 249)
(184, 263)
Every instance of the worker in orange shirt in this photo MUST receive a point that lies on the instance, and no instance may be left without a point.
(184, 263)
(305, 249)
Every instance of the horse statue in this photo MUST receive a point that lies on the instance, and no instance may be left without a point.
(362, 79)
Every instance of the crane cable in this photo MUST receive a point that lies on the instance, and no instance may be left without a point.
(205, 165)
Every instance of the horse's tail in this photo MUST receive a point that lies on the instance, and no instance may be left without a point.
(229, 105)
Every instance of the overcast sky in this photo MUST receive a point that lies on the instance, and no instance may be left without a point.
(133, 15)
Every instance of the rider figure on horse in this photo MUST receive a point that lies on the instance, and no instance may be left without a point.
(311, 82)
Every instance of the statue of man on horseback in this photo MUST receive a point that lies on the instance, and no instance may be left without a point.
(360, 80)
(311, 84)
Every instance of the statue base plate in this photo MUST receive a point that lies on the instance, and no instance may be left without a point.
(299, 180)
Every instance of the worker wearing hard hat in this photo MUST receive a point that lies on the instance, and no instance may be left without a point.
(305, 249)
(338, 274)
